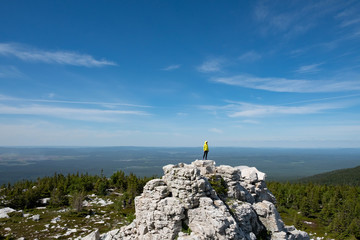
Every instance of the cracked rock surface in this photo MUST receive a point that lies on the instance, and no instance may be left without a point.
(183, 205)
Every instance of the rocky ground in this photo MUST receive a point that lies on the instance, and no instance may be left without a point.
(49, 223)
(200, 201)
(190, 202)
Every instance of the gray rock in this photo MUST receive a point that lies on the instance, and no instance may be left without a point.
(212, 220)
(4, 212)
(269, 216)
(183, 205)
(36, 217)
(95, 235)
(246, 217)
(112, 235)
(205, 166)
(44, 201)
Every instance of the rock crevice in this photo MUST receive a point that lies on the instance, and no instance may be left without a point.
(184, 205)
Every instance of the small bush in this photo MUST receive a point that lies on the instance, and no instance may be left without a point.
(219, 185)
(185, 228)
(77, 201)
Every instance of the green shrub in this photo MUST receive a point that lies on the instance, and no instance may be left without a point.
(219, 185)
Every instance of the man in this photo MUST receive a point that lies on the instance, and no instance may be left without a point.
(206, 150)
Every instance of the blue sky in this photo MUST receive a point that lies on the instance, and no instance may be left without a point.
(176, 73)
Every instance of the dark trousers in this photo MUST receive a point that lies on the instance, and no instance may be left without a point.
(205, 155)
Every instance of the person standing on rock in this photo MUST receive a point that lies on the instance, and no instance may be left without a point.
(206, 150)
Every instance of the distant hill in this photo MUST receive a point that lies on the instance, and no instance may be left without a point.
(348, 176)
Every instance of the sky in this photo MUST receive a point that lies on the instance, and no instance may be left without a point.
(177, 73)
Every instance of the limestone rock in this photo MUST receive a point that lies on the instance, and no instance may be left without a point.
(205, 166)
(184, 205)
(247, 218)
(95, 235)
(212, 220)
(185, 182)
(112, 235)
(4, 212)
(36, 217)
(269, 216)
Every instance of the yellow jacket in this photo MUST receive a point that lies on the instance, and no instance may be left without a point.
(206, 147)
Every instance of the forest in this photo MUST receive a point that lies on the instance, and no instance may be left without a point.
(71, 189)
(348, 176)
(333, 210)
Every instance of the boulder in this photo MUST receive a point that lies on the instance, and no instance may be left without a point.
(36, 218)
(205, 166)
(269, 216)
(183, 205)
(4, 212)
(95, 235)
(212, 220)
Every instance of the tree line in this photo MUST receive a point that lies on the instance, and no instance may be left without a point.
(335, 207)
(64, 189)
(349, 176)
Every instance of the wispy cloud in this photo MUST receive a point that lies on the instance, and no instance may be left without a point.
(250, 56)
(215, 130)
(293, 18)
(211, 65)
(182, 114)
(246, 110)
(312, 68)
(350, 22)
(253, 110)
(84, 114)
(10, 72)
(290, 85)
(171, 67)
(349, 16)
(58, 57)
(325, 99)
(250, 121)
(51, 95)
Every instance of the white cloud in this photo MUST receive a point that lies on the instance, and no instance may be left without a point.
(309, 68)
(349, 16)
(215, 130)
(249, 110)
(293, 18)
(250, 121)
(250, 56)
(58, 57)
(84, 114)
(51, 95)
(50, 134)
(350, 22)
(289, 85)
(211, 65)
(171, 67)
(254, 110)
(182, 114)
(10, 72)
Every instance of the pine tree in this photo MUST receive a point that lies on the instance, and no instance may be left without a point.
(77, 201)
(354, 227)
(58, 197)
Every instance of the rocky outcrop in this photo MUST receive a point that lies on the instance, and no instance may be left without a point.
(4, 212)
(183, 204)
